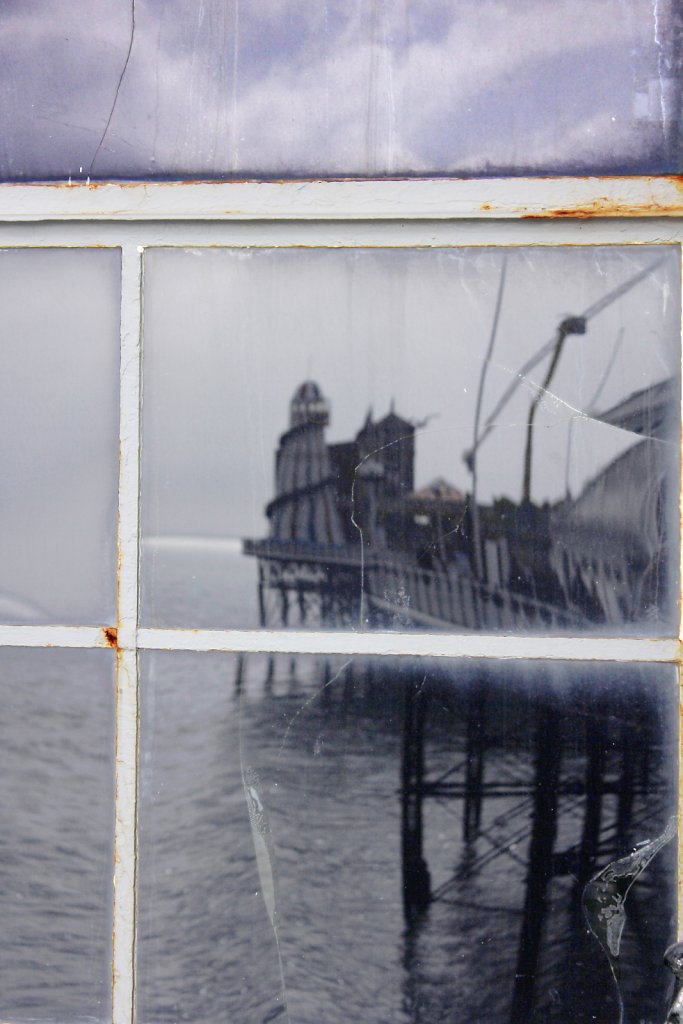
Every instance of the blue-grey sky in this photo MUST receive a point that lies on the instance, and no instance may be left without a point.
(220, 88)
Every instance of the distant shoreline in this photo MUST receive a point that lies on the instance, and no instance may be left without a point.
(180, 542)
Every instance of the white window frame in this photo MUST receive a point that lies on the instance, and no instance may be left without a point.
(401, 214)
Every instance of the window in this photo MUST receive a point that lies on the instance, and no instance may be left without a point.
(284, 837)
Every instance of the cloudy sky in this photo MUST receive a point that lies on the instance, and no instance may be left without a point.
(331, 87)
(230, 334)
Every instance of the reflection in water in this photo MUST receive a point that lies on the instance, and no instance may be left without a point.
(510, 816)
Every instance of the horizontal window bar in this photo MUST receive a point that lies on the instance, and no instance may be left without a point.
(58, 636)
(433, 199)
(417, 644)
(329, 233)
(470, 645)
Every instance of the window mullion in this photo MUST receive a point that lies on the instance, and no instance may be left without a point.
(127, 676)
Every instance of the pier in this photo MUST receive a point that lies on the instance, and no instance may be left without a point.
(539, 780)
(353, 545)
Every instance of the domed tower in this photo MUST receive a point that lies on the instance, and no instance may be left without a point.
(309, 406)
(305, 508)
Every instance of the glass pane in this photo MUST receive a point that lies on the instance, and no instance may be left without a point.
(309, 452)
(59, 461)
(57, 840)
(253, 88)
(385, 840)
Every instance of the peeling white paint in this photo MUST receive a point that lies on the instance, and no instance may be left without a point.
(433, 199)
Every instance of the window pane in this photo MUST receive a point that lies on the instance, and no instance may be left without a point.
(309, 422)
(59, 323)
(239, 88)
(56, 843)
(373, 841)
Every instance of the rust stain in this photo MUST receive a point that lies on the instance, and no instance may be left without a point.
(111, 636)
(606, 207)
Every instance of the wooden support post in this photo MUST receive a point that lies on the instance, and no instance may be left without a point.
(627, 780)
(416, 880)
(349, 673)
(369, 681)
(595, 784)
(325, 606)
(261, 597)
(474, 768)
(239, 674)
(284, 599)
(326, 687)
(544, 831)
(270, 672)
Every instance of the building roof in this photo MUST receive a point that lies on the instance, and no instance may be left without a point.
(309, 391)
(393, 420)
(391, 423)
(438, 490)
(648, 412)
(308, 406)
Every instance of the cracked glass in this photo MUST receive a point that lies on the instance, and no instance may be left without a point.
(354, 839)
(57, 840)
(297, 88)
(448, 439)
(463, 439)
(59, 461)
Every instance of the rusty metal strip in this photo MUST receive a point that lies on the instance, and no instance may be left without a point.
(125, 852)
(431, 199)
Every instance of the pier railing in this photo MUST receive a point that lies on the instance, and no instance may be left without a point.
(397, 591)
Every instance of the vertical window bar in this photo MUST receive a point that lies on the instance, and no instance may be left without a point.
(125, 641)
(680, 652)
